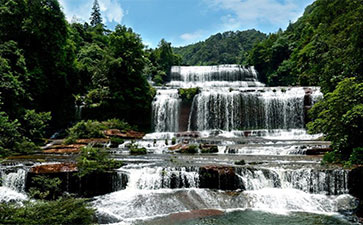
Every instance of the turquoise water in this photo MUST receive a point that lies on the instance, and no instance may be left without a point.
(250, 217)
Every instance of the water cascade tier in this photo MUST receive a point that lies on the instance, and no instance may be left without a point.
(228, 97)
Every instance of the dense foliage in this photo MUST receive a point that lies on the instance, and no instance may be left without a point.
(94, 129)
(322, 48)
(340, 117)
(160, 61)
(62, 211)
(226, 48)
(43, 187)
(48, 65)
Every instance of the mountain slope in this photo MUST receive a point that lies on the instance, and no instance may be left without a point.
(222, 48)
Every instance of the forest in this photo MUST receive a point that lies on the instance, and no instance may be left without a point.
(49, 66)
(51, 69)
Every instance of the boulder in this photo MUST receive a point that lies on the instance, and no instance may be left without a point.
(54, 168)
(218, 177)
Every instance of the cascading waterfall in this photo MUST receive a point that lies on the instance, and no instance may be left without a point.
(14, 180)
(329, 182)
(230, 98)
(214, 76)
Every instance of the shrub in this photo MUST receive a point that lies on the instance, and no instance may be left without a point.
(44, 187)
(86, 129)
(94, 129)
(62, 211)
(357, 156)
(116, 141)
(35, 125)
(134, 150)
(95, 160)
(118, 124)
(330, 157)
(191, 149)
(173, 141)
(209, 149)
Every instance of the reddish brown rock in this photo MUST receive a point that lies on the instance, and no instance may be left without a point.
(62, 150)
(92, 140)
(175, 147)
(127, 135)
(54, 168)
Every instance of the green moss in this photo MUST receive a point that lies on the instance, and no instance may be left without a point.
(134, 150)
(187, 94)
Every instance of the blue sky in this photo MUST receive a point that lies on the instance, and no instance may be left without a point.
(183, 22)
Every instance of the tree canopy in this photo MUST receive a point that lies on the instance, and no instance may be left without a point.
(222, 48)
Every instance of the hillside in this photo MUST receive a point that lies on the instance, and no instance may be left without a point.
(222, 48)
(322, 48)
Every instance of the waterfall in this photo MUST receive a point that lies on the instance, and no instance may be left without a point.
(165, 110)
(159, 177)
(13, 185)
(214, 76)
(235, 110)
(14, 180)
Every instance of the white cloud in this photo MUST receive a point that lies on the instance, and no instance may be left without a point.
(111, 10)
(254, 12)
(190, 37)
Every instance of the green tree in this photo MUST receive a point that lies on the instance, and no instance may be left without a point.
(340, 116)
(96, 18)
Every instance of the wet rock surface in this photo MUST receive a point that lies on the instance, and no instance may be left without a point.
(218, 177)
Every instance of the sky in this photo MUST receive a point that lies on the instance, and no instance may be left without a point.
(183, 22)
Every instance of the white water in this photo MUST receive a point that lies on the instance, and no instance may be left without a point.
(13, 186)
(165, 110)
(213, 76)
(145, 204)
